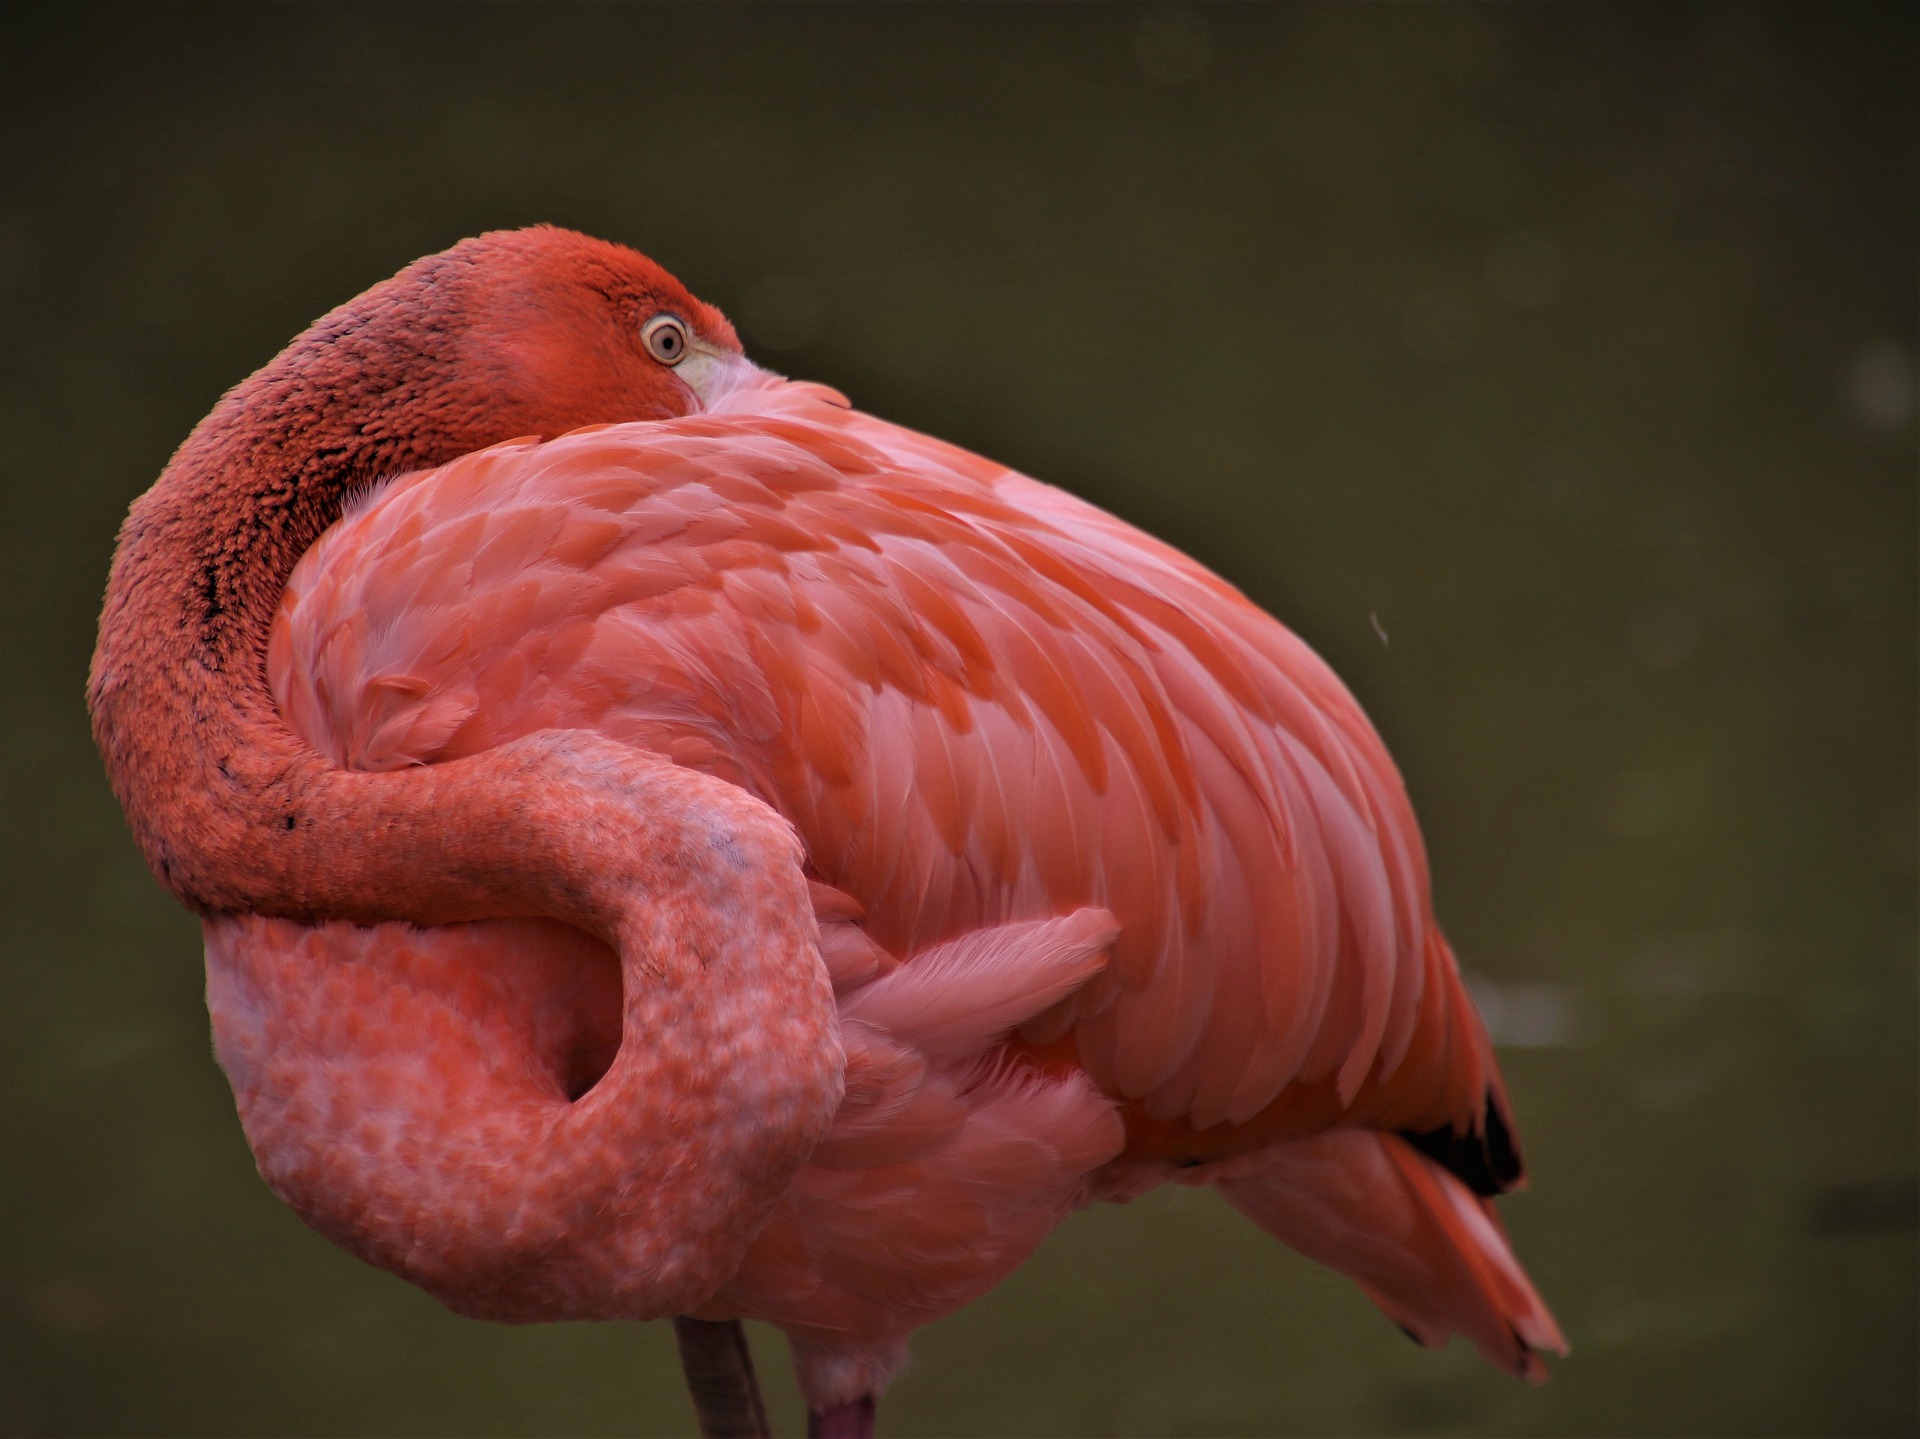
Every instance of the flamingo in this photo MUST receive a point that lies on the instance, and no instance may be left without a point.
(672, 845)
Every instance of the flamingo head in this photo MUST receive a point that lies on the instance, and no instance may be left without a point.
(508, 334)
(569, 330)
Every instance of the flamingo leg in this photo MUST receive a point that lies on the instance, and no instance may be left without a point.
(720, 1379)
(843, 1421)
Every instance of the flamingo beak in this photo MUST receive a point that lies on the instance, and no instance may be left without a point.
(714, 374)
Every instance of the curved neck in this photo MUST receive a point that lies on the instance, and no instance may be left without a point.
(695, 884)
(232, 810)
(485, 1184)
(195, 749)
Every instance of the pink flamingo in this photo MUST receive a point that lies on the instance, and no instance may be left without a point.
(670, 844)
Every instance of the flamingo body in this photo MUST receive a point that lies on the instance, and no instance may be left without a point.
(1090, 838)
(726, 855)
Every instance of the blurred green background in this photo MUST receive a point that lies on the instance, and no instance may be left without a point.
(1568, 348)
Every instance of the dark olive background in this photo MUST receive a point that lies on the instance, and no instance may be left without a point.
(1572, 345)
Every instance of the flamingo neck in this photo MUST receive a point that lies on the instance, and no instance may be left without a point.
(697, 886)
(409, 1093)
(195, 749)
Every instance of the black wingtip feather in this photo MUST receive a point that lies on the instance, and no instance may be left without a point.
(1486, 1160)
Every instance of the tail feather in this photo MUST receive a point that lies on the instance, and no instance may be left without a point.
(1427, 1250)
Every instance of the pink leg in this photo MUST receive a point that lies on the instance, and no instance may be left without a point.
(720, 1379)
(843, 1421)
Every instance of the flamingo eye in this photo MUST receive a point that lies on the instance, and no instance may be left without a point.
(665, 339)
